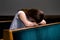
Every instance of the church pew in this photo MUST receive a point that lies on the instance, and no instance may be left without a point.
(42, 32)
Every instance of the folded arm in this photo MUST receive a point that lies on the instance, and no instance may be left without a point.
(24, 19)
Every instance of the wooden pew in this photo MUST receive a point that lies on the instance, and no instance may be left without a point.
(42, 32)
(4, 24)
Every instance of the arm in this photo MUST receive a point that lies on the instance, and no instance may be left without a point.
(22, 16)
(24, 19)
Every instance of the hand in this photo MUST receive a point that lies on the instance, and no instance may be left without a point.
(43, 22)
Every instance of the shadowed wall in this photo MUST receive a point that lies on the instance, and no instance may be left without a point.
(10, 7)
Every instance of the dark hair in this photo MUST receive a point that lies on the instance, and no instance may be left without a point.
(35, 14)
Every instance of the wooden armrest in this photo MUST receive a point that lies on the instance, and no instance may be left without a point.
(6, 21)
(7, 35)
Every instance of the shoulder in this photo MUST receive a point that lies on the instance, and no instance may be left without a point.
(19, 12)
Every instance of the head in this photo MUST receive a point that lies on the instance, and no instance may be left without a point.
(35, 15)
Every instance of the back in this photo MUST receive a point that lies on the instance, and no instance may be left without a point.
(16, 23)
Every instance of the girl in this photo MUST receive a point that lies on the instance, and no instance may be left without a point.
(28, 18)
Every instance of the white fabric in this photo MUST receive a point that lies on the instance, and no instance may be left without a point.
(17, 23)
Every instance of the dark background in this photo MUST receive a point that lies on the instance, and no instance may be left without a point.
(10, 7)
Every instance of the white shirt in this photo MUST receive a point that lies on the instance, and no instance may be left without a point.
(16, 23)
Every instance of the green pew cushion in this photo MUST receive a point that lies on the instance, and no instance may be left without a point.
(50, 32)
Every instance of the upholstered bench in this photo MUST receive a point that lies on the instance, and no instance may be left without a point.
(42, 32)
